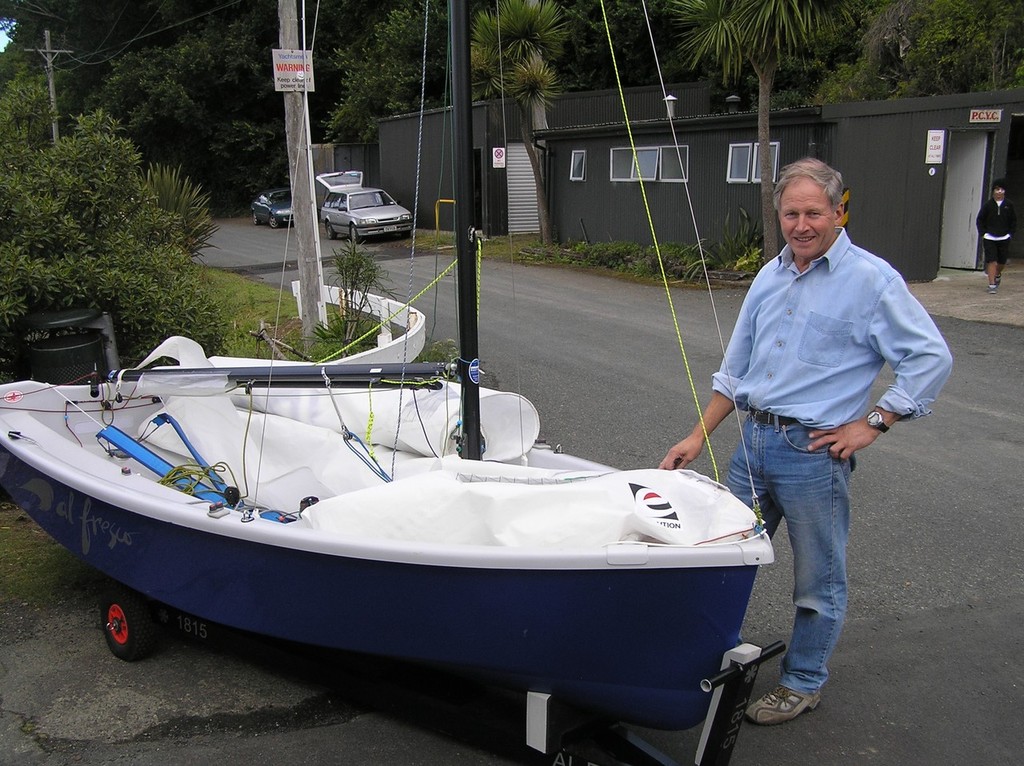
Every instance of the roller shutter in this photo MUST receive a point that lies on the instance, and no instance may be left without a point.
(522, 192)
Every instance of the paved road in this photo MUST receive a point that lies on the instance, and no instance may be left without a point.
(926, 673)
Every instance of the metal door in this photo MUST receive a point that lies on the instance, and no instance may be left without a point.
(966, 159)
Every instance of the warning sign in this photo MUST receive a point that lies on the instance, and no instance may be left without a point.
(293, 70)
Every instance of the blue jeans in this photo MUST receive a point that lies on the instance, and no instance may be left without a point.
(811, 491)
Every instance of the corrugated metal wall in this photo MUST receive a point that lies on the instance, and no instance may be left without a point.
(522, 191)
(896, 198)
(604, 210)
(896, 202)
(647, 103)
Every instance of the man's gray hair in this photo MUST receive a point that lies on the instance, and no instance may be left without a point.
(825, 176)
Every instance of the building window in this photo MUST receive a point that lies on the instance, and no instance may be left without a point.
(624, 169)
(755, 170)
(744, 166)
(675, 163)
(656, 163)
(578, 170)
(739, 164)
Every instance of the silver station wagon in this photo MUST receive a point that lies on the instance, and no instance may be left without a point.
(358, 212)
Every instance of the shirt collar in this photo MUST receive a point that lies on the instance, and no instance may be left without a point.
(833, 256)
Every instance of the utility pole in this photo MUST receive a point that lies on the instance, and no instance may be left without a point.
(303, 217)
(49, 54)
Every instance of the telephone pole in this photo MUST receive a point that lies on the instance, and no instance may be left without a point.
(49, 54)
(303, 216)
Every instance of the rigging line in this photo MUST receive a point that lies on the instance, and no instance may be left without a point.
(293, 165)
(316, 19)
(704, 266)
(516, 356)
(415, 216)
(654, 237)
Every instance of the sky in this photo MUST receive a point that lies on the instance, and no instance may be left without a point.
(3, 41)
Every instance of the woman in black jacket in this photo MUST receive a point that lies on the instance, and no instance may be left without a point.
(997, 223)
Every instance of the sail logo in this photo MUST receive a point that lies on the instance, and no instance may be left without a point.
(650, 504)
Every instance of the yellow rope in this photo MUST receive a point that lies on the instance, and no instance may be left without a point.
(369, 423)
(654, 238)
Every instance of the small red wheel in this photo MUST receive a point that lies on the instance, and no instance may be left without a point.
(128, 625)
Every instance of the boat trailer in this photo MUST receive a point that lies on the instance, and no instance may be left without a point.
(492, 718)
(730, 690)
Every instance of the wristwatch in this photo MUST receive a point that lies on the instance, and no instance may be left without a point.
(875, 420)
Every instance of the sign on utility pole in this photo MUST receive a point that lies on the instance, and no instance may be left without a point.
(293, 71)
(299, 80)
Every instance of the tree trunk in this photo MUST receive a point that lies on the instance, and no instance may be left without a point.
(769, 219)
(543, 214)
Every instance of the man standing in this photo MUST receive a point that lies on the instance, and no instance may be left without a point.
(818, 323)
(997, 223)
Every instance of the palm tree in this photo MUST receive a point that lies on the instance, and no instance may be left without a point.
(178, 194)
(758, 32)
(509, 57)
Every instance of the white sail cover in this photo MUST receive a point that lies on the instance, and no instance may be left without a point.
(479, 503)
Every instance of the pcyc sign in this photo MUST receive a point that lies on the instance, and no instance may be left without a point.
(986, 115)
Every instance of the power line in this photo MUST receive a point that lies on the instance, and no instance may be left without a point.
(114, 51)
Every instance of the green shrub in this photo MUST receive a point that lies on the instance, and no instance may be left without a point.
(741, 247)
(356, 274)
(82, 230)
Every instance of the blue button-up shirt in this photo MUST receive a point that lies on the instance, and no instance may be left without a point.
(810, 345)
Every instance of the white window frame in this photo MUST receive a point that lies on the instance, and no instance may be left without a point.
(641, 152)
(578, 173)
(684, 160)
(737, 173)
(750, 173)
(755, 170)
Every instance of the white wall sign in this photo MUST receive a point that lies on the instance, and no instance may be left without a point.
(293, 71)
(935, 148)
(498, 157)
(986, 115)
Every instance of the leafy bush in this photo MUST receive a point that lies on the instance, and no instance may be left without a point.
(740, 248)
(356, 273)
(82, 230)
(681, 261)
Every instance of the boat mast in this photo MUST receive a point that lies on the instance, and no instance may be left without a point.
(465, 231)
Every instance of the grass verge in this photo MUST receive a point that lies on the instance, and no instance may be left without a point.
(35, 570)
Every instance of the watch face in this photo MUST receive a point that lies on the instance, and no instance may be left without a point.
(874, 419)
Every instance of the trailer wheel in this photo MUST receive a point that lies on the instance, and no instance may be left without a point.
(128, 626)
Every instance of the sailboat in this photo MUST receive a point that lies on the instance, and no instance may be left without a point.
(392, 509)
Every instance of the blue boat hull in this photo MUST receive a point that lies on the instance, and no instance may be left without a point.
(629, 643)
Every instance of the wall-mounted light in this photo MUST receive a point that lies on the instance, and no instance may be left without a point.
(670, 105)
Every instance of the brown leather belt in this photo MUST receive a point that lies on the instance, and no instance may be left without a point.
(766, 418)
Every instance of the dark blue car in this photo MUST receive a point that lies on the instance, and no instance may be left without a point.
(273, 207)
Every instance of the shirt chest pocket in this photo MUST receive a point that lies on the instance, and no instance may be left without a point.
(824, 340)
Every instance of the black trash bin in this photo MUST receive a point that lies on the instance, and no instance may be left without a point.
(62, 348)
